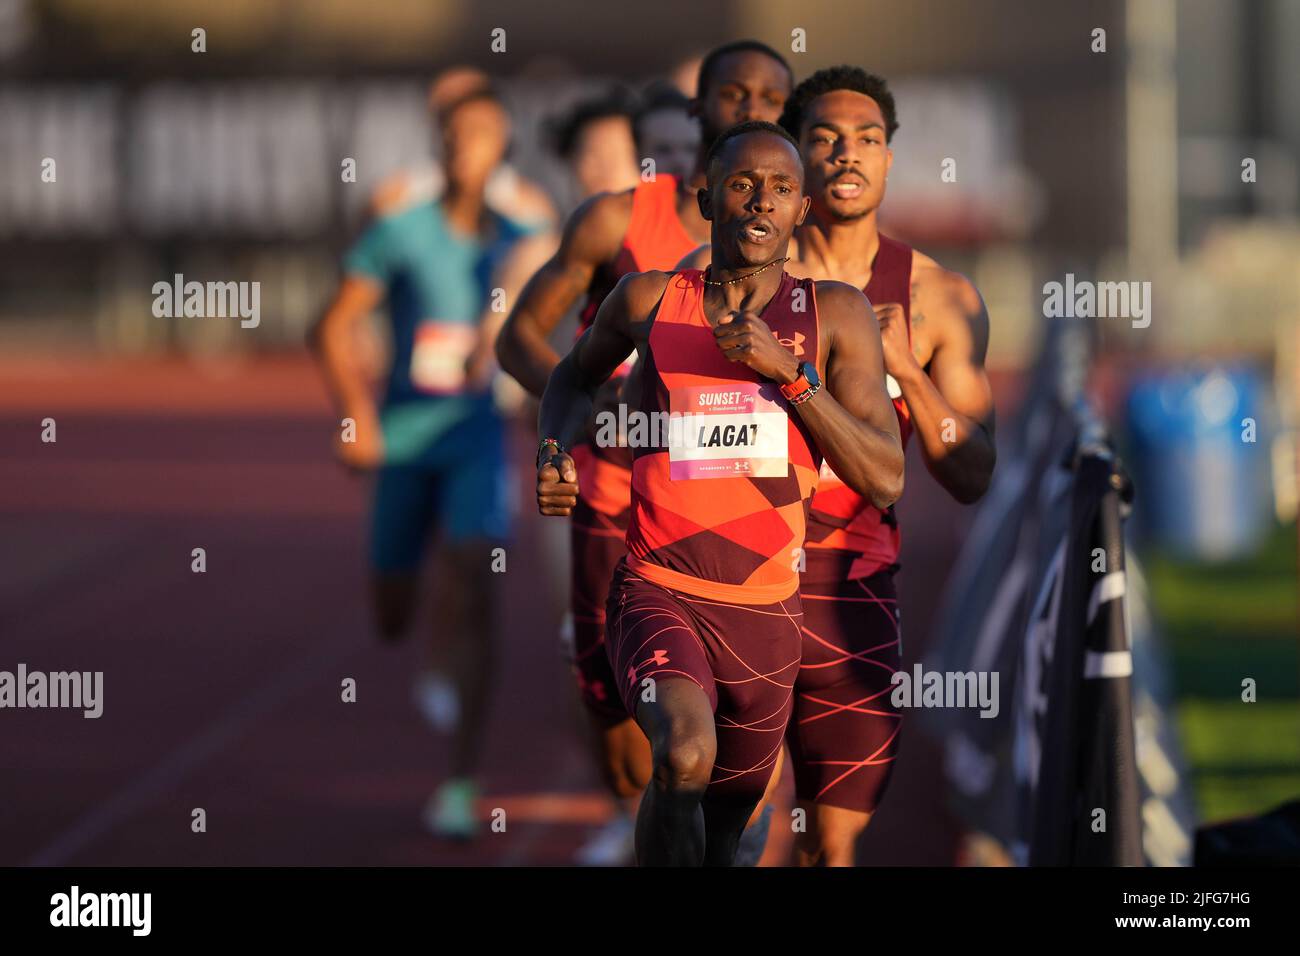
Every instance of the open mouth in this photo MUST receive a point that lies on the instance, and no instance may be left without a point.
(757, 231)
(848, 188)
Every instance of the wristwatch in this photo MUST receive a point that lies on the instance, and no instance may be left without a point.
(804, 387)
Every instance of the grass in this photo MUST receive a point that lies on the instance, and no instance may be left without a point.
(1223, 623)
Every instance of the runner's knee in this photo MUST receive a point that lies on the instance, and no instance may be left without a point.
(684, 760)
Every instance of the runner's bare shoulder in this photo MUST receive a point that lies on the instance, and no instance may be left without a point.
(596, 228)
(942, 288)
(835, 298)
(842, 309)
(641, 291)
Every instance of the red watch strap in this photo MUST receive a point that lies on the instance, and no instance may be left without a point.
(797, 387)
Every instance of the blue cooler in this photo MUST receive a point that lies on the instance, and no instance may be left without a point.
(1203, 492)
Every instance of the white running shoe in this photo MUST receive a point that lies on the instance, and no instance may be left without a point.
(450, 812)
(437, 701)
(614, 844)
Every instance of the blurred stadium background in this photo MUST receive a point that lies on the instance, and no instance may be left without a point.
(1122, 165)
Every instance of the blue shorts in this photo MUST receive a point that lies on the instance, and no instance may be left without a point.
(458, 487)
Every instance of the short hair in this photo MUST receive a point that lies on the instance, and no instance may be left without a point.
(566, 129)
(486, 92)
(742, 129)
(739, 46)
(657, 97)
(834, 78)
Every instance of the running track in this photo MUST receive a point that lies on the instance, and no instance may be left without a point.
(222, 689)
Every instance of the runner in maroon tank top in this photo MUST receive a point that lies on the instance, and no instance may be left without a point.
(844, 731)
(703, 615)
(843, 735)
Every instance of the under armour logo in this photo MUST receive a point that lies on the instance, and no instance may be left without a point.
(661, 657)
(795, 343)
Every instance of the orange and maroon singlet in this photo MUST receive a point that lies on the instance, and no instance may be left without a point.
(709, 589)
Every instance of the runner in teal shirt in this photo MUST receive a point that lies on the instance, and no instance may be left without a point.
(434, 438)
(438, 283)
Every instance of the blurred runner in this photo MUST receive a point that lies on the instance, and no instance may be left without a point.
(609, 236)
(595, 139)
(435, 440)
(507, 192)
(704, 616)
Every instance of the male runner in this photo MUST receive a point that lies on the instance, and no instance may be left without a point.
(508, 192)
(610, 236)
(436, 441)
(843, 736)
(595, 139)
(668, 133)
(934, 330)
(703, 612)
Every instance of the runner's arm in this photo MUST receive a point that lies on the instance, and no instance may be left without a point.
(334, 340)
(567, 401)
(524, 258)
(852, 418)
(952, 406)
(591, 239)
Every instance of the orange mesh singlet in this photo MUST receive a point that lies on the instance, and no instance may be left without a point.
(721, 513)
(655, 240)
(841, 519)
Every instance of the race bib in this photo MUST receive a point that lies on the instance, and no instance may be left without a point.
(891, 386)
(727, 431)
(439, 355)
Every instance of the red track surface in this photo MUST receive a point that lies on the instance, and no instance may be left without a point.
(222, 689)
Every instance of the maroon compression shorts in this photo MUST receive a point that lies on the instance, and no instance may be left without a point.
(843, 734)
(744, 657)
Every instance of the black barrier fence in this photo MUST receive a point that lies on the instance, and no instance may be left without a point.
(1044, 596)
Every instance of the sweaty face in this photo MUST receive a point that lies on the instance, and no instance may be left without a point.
(474, 139)
(604, 157)
(845, 154)
(755, 199)
(672, 139)
(745, 85)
